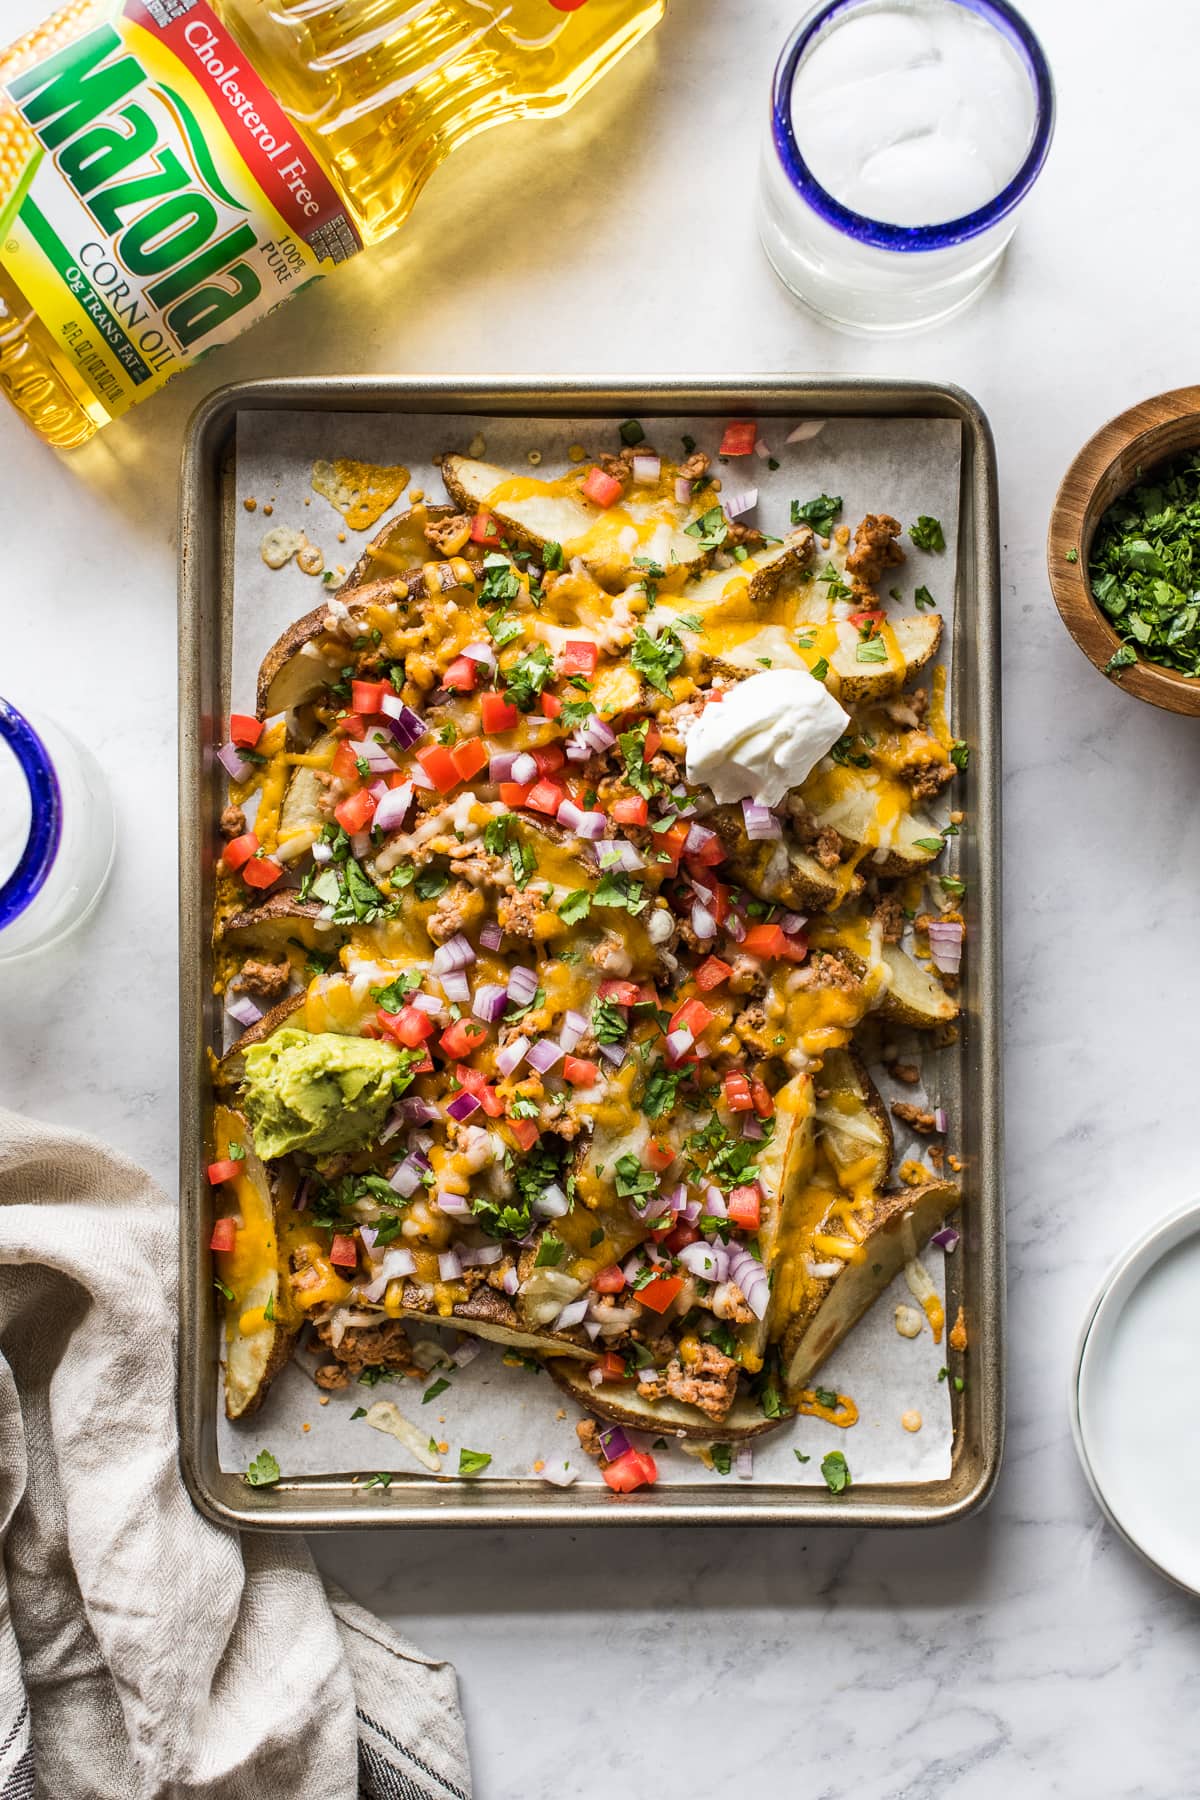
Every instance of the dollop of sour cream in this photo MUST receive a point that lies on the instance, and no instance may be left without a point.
(766, 736)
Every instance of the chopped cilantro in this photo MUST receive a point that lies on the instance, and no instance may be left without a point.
(382, 1479)
(575, 713)
(960, 753)
(843, 753)
(523, 860)
(835, 1471)
(576, 906)
(874, 650)
(632, 432)
(393, 996)
(722, 1458)
(430, 883)
(657, 658)
(820, 668)
(552, 556)
(632, 745)
(927, 533)
(495, 835)
(800, 1458)
(1071, 556)
(221, 1288)
(473, 1462)
(263, 1471)
(609, 1024)
(819, 513)
(1120, 659)
(952, 887)
(360, 1412)
(836, 588)
(826, 1398)
(923, 599)
(431, 1393)
(711, 528)
(661, 1091)
(932, 844)
(550, 1252)
(524, 681)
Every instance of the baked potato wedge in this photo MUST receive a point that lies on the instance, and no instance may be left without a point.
(312, 652)
(910, 644)
(912, 995)
(230, 1069)
(279, 926)
(492, 1315)
(621, 1404)
(260, 1321)
(873, 811)
(776, 869)
(400, 547)
(535, 513)
(833, 1295)
(852, 1123)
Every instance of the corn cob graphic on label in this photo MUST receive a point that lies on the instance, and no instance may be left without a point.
(154, 198)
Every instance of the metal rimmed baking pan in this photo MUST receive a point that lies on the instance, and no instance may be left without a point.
(973, 1084)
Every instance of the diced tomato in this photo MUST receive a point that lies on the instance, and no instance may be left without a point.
(438, 764)
(722, 897)
(637, 1468)
(672, 841)
(469, 757)
(462, 677)
(410, 1026)
(659, 1292)
(239, 850)
(345, 762)
(739, 438)
(424, 1067)
(356, 812)
(711, 852)
(551, 706)
(745, 1206)
(525, 1131)
(474, 1082)
(463, 1036)
(765, 940)
(397, 780)
(579, 1071)
(367, 696)
(764, 1105)
(546, 797)
(515, 793)
(498, 714)
(485, 530)
(245, 730)
(630, 810)
(683, 1234)
(653, 741)
(261, 872)
(549, 759)
(625, 993)
(601, 489)
(578, 656)
(609, 1281)
(870, 616)
(343, 1252)
(692, 1016)
(738, 1097)
(612, 1367)
(224, 1235)
(352, 725)
(223, 1171)
(711, 973)
(657, 1155)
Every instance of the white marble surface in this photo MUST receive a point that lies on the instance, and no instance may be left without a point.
(1025, 1651)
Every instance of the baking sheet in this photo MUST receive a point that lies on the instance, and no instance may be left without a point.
(905, 466)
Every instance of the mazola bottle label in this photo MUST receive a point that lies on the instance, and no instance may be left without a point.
(164, 202)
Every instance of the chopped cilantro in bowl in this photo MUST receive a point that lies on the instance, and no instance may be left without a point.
(1144, 567)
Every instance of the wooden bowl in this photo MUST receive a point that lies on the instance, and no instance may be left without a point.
(1109, 463)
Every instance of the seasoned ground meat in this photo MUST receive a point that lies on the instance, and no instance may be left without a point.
(471, 862)
(749, 976)
(937, 1156)
(267, 980)
(517, 911)
(382, 1346)
(451, 912)
(729, 1303)
(709, 1383)
(908, 1073)
(928, 779)
(829, 846)
(695, 466)
(588, 1433)
(665, 767)
(611, 956)
(233, 822)
(617, 467)
(918, 1117)
(830, 971)
(889, 915)
(449, 535)
(824, 842)
(748, 536)
(555, 1115)
(875, 549)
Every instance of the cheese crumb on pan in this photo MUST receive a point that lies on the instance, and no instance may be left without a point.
(908, 1321)
(361, 492)
(385, 1415)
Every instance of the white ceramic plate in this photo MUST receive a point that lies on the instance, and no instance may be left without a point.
(1135, 1397)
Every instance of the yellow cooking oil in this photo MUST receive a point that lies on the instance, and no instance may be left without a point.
(172, 170)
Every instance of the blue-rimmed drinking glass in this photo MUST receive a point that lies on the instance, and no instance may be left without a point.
(868, 274)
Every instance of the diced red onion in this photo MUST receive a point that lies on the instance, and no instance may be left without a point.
(618, 853)
(945, 944)
(571, 1314)
(595, 1375)
(735, 927)
(449, 1266)
(577, 751)
(791, 923)
(683, 490)
(522, 985)
(456, 953)
(462, 1106)
(469, 1349)
(481, 653)
(703, 923)
(510, 1281)
(590, 826)
(613, 1053)
(752, 1128)
(389, 814)
(737, 504)
(761, 450)
(420, 779)
(544, 1054)
(406, 726)
(377, 756)
(743, 1463)
(592, 1329)
(808, 429)
(748, 1274)
(392, 1124)
(426, 1003)
(524, 768)
(405, 1178)
(698, 838)
(510, 1058)
(230, 759)
(368, 1234)
(940, 1121)
(360, 844)
(491, 937)
(322, 853)
(489, 1002)
(391, 706)
(551, 1203)
(714, 1202)
(573, 1027)
(647, 469)
(418, 1111)
(678, 1044)
(452, 1203)
(481, 1258)
(559, 1475)
(455, 986)
(760, 821)
(613, 1442)
(244, 1010)
(677, 1198)
(946, 1239)
(599, 733)
(691, 1212)
(698, 1259)
(500, 766)
(568, 815)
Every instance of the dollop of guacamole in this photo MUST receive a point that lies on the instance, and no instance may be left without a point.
(318, 1091)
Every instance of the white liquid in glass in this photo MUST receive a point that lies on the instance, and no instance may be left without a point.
(915, 117)
(80, 870)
